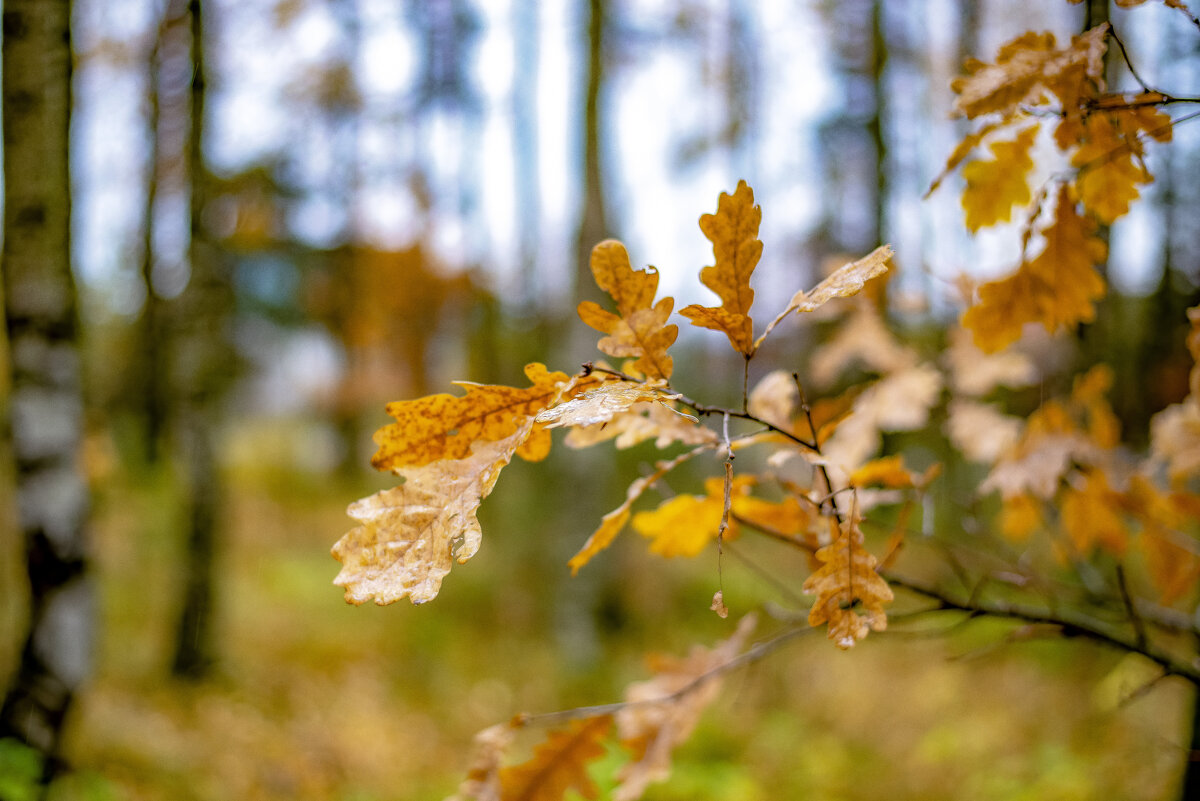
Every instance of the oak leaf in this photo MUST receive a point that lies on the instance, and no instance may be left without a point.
(411, 534)
(1172, 557)
(996, 185)
(1057, 288)
(600, 404)
(685, 524)
(843, 282)
(980, 431)
(483, 776)
(863, 339)
(973, 372)
(1091, 516)
(846, 582)
(1109, 158)
(613, 522)
(663, 711)
(445, 426)
(559, 764)
(887, 471)
(658, 420)
(1020, 516)
(733, 231)
(640, 328)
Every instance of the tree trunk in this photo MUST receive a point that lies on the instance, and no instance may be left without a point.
(205, 364)
(593, 224)
(46, 405)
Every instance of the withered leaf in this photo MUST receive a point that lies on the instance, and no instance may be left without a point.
(410, 535)
(559, 764)
(845, 583)
(843, 282)
(602, 403)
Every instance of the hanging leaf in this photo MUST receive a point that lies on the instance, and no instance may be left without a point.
(411, 534)
(733, 231)
(845, 584)
(639, 329)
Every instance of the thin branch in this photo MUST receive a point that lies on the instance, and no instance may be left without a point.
(1112, 33)
(1139, 630)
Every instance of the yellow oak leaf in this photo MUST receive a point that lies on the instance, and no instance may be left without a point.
(663, 711)
(445, 426)
(685, 524)
(559, 764)
(1057, 288)
(887, 471)
(963, 149)
(1024, 67)
(843, 282)
(787, 519)
(1020, 516)
(1109, 158)
(996, 185)
(1091, 516)
(1175, 438)
(733, 231)
(613, 522)
(845, 583)
(411, 534)
(640, 328)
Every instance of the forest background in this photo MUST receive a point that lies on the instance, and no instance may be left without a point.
(363, 201)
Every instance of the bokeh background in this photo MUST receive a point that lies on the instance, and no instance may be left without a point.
(399, 194)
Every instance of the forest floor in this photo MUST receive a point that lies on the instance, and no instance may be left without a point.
(310, 698)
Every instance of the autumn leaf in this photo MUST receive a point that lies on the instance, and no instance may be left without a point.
(996, 185)
(602, 403)
(663, 711)
(980, 431)
(658, 421)
(640, 328)
(1109, 158)
(1020, 516)
(613, 522)
(1058, 288)
(411, 534)
(845, 583)
(733, 231)
(862, 339)
(1026, 66)
(1172, 557)
(559, 764)
(887, 471)
(483, 777)
(685, 524)
(445, 426)
(843, 282)
(973, 372)
(1091, 516)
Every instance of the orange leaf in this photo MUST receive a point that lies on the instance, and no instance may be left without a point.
(411, 534)
(1091, 515)
(640, 328)
(995, 186)
(1109, 158)
(445, 426)
(685, 524)
(559, 764)
(845, 581)
(733, 231)
(1058, 288)
(887, 471)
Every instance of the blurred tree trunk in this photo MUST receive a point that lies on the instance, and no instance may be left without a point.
(46, 406)
(593, 221)
(527, 32)
(204, 364)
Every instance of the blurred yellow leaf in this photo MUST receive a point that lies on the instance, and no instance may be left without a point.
(1057, 288)
(411, 534)
(1109, 158)
(887, 471)
(996, 185)
(846, 582)
(685, 524)
(559, 764)
(1020, 516)
(1091, 516)
(733, 231)
(639, 329)
(446, 426)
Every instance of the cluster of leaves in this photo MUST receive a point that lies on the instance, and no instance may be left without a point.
(1100, 139)
(1062, 475)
